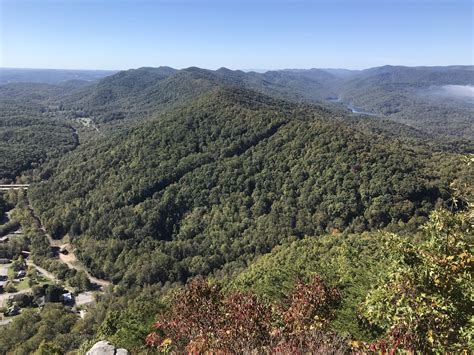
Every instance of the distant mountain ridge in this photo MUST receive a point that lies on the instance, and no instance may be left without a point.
(49, 76)
(406, 95)
(399, 93)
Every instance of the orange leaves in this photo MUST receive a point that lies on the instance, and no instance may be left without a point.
(203, 319)
(312, 305)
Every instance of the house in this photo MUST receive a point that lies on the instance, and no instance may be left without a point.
(13, 310)
(68, 299)
(3, 279)
(40, 301)
(4, 240)
(20, 274)
(17, 297)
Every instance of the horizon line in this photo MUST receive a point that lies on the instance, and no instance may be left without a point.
(246, 69)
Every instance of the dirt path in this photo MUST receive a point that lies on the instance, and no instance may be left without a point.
(70, 260)
(45, 272)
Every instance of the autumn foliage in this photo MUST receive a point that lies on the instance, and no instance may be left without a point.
(203, 318)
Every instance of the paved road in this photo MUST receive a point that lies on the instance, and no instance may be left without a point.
(4, 296)
(81, 299)
(6, 187)
(5, 322)
(4, 269)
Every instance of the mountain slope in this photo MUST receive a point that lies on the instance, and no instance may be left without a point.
(224, 179)
(137, 94)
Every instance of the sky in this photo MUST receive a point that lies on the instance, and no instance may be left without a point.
(257, 34)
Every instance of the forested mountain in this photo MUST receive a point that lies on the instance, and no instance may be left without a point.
(306, 220)
(225, 178)
(404, 94)
(29, 135)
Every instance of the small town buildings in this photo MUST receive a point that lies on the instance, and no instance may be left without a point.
(17, 297)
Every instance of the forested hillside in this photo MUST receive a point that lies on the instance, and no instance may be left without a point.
(28, 135)
(231, 213)
(225, 179)
(32, 130)
(404, 94)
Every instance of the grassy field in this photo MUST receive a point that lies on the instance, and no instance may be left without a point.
(23, 284)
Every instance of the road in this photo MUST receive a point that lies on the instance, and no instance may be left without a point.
(5, 322)
(6, 187)
(71, 261)
(45, 272)
(84, 298)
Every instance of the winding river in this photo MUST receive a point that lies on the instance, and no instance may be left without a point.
(351, 107)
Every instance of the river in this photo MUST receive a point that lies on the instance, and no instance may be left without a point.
(351, 107)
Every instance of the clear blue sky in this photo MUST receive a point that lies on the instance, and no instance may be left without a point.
(258, 34)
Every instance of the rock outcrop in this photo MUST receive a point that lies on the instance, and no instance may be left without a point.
(104, 347)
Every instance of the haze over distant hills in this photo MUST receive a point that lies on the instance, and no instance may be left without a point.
(49, 76)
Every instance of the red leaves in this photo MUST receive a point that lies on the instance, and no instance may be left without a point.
(247, 322)
(202, 319)
(311, 305)
(194, 316)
